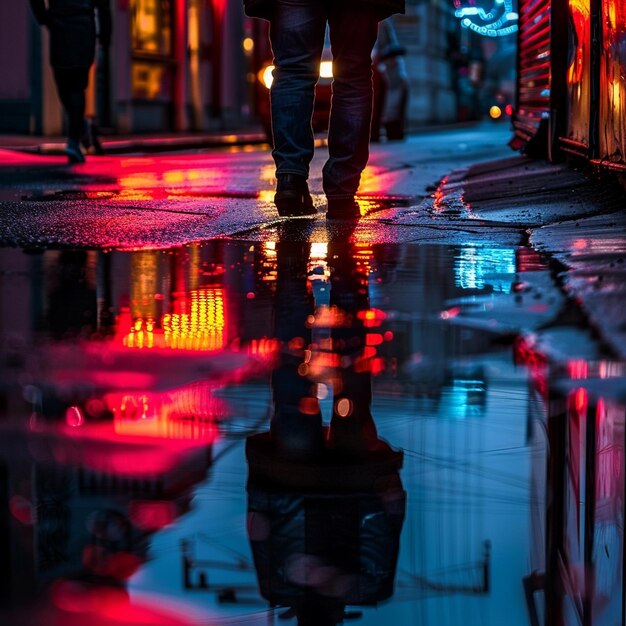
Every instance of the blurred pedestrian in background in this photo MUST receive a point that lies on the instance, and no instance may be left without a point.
(297, 32)
(72, 26)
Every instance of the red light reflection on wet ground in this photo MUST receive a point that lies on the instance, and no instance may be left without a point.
(139, 178)
(103, 448)
(77, 601)
(439, 196)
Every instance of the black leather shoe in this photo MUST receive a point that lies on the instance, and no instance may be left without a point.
(343, 209)
(292, 198)
(74, 153)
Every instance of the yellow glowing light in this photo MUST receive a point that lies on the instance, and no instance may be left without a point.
(495, 112)
(344, 407)
(199, 325)
(202, 327)
(147, 80)
(266, 75)
(268, 173)
(612, 13)
(319, 250)
(266, 195)
(326, 69)
(248, 44)
(616, 93)
(135, 181)
(173, 177)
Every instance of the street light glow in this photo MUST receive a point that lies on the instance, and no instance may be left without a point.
(266, 75)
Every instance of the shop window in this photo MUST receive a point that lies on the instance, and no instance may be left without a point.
(151, 36)
(150, 81)
(151, 27)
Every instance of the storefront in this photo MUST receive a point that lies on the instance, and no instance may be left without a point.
(186, 64)
(576, 432)
(533, 70)
(571, 90)
(154, 67)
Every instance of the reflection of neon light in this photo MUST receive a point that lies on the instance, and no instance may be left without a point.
(187, 413)
(579, 400)
(578, 370)
(477, 267)
(202, 327)
(616, 94)
(198, 324)
(439, 196)
(491, 32)
(372, 318)
(152, 515)
(463, 399)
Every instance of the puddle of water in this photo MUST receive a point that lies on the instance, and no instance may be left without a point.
(191, 436)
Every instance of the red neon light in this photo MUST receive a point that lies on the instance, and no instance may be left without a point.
(450, 313)
(117, 566)
(579, 399)
(22, 509)
(75, 603)
(373, 339)
(152, 515)
(74, 417)
(371, 314)
(578, 370)
(309, 406)
(187, 414)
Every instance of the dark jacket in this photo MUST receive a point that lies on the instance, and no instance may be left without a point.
(72, 27)
(385, 8)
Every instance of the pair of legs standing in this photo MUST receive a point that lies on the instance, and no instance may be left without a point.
(297, 33)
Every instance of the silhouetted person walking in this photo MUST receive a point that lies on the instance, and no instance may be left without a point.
(297, 31)
(72, 25)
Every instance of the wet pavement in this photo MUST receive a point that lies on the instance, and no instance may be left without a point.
(135, 385)
(212, 416)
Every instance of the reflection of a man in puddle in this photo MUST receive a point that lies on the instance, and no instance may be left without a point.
(72, 306)
(325, 506)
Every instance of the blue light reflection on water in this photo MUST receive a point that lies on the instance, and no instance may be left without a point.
(478, 267)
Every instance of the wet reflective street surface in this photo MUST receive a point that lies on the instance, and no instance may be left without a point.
(249, 432)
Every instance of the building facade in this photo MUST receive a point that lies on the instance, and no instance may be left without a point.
(173, 65)
(192, 65)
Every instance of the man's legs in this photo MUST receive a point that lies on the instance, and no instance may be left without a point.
(353, 32)
(352, 428)
(71, 84)
(297, 36)
(296, 426)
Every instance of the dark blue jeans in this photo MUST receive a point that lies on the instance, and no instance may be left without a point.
(297, 32)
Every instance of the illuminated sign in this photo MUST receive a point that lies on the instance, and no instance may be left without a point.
(497, 21)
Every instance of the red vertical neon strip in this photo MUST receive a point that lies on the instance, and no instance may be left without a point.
(180, 56)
